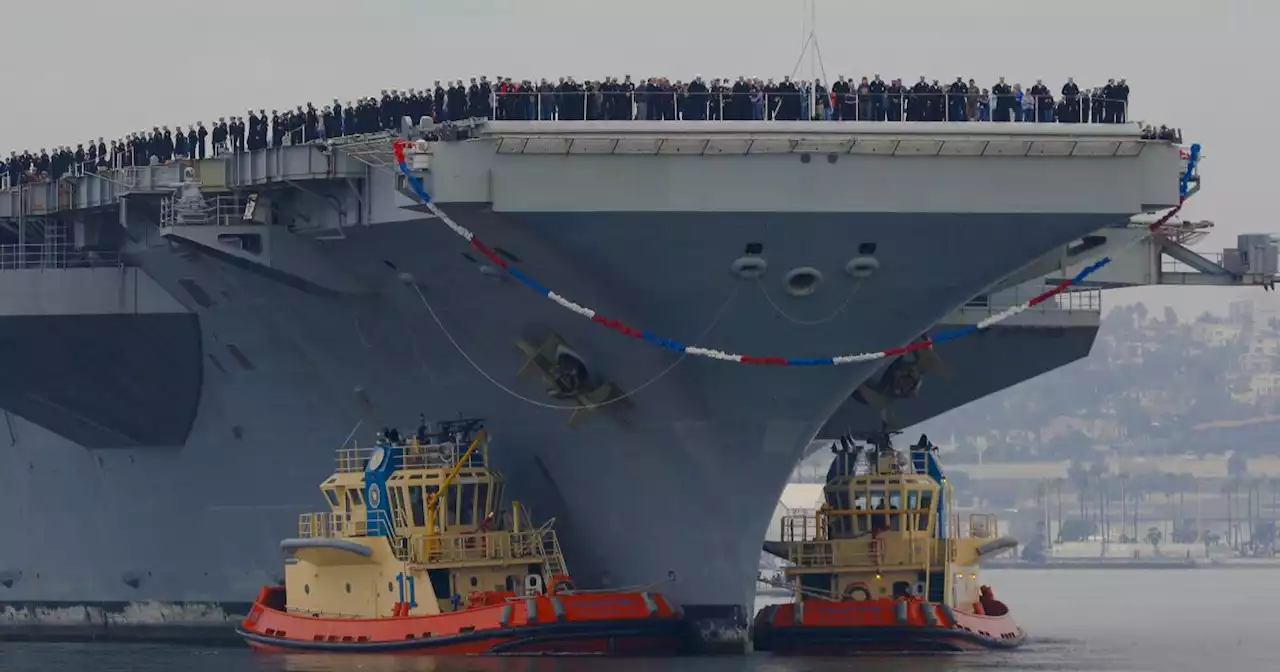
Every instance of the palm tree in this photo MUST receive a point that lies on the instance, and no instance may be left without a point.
(1124, 501)
(1229, 490)
(1154, 537)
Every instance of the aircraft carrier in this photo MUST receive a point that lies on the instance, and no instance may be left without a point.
(185, 344)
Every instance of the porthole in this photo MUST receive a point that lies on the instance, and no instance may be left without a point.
(802, 281)
(750, 267)
(348, 588)
(391, 587)
(474, 582)
(306, 588)
(805, 158)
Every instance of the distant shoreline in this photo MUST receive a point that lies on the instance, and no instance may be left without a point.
(1123, 563)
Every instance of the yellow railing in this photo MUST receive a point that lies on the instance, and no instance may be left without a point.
(323, 524)
(328, 524)
(481, 547)
(804, 526)
(976, 526)
(415, 456)
(813, 525)
(868, 553)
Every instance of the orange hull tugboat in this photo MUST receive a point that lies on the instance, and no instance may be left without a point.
(410, 531)
(883, 565)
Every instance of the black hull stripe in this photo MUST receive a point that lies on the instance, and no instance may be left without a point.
(793, 637)
(524, 635)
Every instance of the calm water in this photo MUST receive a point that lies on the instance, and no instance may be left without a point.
(1091, 620)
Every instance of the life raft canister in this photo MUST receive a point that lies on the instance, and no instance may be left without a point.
(561, 584)
(858, 592)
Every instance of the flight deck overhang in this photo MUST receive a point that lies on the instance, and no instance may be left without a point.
(855, 167)
(729, 138)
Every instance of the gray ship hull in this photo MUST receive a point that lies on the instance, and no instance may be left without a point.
(993, 360)
(680, 485)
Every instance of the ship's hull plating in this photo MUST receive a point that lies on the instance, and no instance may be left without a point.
(674, 491)
(992, 360)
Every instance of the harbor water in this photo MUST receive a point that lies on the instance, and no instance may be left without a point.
(1085, 620)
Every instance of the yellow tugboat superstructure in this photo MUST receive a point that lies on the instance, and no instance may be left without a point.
(417, 553)
(883, 564)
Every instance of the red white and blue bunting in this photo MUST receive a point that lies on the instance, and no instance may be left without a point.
(671, 344)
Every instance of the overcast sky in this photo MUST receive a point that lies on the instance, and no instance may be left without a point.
(86, 68)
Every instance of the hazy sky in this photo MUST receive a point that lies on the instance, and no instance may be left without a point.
(86, 68)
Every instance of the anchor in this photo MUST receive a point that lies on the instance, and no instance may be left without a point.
(566, 378)
(901, 379)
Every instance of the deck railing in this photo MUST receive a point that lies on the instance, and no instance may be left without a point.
(46, 256)
(537, 546)
(1073, 300)
(414, 456)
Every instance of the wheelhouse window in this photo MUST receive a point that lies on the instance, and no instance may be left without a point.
(482, 499)
(417, 506)
(396, 495)
(332, 497)
(926, 509)
(467, 504)
(451, 505)
(895, 505)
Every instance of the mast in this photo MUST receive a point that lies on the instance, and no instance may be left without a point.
(810, 47)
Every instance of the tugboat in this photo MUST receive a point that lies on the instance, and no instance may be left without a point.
(884, 566)
(416, 555)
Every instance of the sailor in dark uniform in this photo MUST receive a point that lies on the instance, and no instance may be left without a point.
(311, 121)
(220, 136)
(252, 132)
(877, 89)
(696, 102)
(894, 100)
(1043, 102)
(1005, 101)
(179, 143)
(277, 129)
(297, 126)
(1071, 101)
(1122, 101)
(844, 105)
(918, 100)
(199, 133)
(384, 110)
(167, 151)
(956, 93)
(329, 123)
(457, 102)
(438, 102)
(338, 119)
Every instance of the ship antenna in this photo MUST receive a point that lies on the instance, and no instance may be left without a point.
(814, 51)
